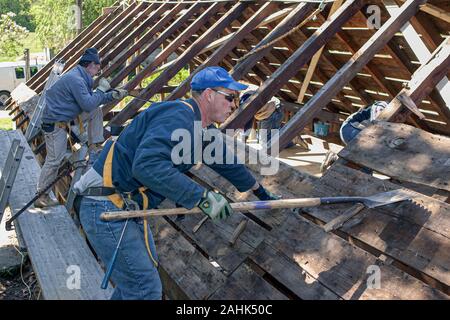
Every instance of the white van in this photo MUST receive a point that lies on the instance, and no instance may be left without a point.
(11, 75)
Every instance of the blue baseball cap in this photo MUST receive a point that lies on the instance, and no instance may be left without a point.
(90, 55)
(212, 77)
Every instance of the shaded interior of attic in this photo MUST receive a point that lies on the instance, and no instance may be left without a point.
(277, 46)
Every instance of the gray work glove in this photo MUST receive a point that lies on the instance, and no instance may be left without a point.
(103, 85)
(119, 94)
(215, 206)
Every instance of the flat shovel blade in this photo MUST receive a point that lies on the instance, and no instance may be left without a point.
(385, 198)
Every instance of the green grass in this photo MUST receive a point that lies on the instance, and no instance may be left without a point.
(31, 42)
(6, 124)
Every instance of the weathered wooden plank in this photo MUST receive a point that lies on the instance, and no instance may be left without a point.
(183, 60)
(403, 152)
(290, 274)
(218, 55)
(423, 211)
(185, 272)
(348, 71)
(410, 233)
(329, 267)
(245, 284)
(213, 238)
(57, 250)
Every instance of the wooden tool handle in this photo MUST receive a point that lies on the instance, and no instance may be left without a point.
(339, 221)
(238, 206)
(238, 231)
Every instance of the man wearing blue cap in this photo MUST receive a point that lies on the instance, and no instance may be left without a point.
(139, 165)
(71, 101)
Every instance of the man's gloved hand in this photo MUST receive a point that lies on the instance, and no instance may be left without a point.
(264, 194)
(215, 206)
(119, 94)
(103, 85)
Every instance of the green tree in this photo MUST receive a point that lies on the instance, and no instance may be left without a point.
(54, 20)
(11, 35)
(22, 10)
(92, 9)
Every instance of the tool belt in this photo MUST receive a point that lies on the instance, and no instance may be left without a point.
(98, 192)
(49, 127)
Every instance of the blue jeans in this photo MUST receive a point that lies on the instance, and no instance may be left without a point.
(134, 274)
(272, 122)
(348, 133)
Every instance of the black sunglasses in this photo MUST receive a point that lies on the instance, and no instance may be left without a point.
(228, 96)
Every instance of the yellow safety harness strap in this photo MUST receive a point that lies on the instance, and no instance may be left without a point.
(145, 207)
(107, 179)
(117, 199)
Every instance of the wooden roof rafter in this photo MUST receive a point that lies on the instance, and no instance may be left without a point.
(132, 107)
(100, 38)
(150, 42)
(422, 81)
(264, 11)
(354, 65)
(295, 61)
(138, 36)
(168, 50)
(95, 27)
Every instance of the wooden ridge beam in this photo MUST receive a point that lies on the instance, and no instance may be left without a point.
(348, 71)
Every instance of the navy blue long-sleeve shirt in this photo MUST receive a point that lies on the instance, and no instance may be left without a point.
(142, 157)
(71, 95)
